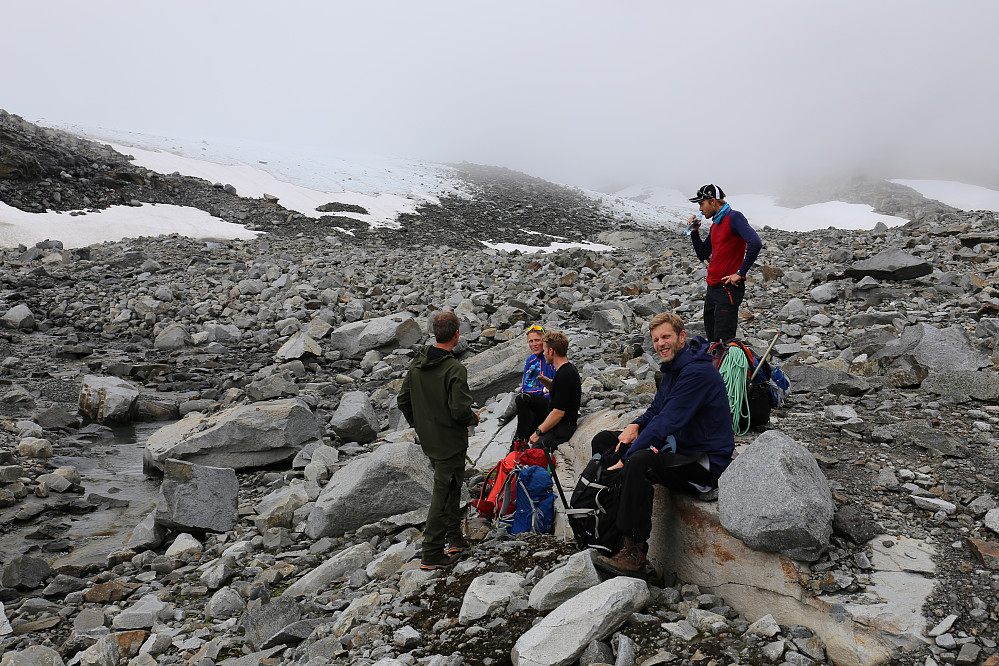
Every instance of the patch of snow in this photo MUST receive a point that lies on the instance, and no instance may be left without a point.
(958, 195)
(530, 249)
(115, 223)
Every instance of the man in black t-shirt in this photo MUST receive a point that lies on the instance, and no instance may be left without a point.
(566, 392)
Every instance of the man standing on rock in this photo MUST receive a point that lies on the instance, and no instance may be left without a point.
(730, 249)
(683, 441)
(435, 399)
(566, 389)
(532, 401)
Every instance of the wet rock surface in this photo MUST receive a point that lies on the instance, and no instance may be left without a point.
(901, 426)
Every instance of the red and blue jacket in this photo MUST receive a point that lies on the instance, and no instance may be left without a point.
(731, 246)
(692, 406)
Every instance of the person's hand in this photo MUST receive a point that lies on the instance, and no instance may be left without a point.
(693, 223)
(733, 279)
(618, 465)
(533, 439)
(628, 435)
(532, 374)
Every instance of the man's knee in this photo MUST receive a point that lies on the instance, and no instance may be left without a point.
(604, 442)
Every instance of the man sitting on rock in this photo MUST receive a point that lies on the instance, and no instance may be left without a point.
(683, 441)
(435, 400)
(532, 401)
(566, 389)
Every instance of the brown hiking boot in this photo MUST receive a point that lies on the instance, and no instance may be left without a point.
(457, 546)
(437, 561)
(629, 561)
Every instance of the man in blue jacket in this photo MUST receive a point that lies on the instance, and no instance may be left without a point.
(683, 441)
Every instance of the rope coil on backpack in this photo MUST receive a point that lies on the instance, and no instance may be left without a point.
(734, 370)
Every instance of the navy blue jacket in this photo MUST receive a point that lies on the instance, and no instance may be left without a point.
(692, 405)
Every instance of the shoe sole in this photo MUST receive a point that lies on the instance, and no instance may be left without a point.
(607, 567)
(457, 550)
(435, 567)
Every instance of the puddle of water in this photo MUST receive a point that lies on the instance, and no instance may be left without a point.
(111, 468)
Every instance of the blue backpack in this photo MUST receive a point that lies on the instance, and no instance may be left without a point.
(535, 501)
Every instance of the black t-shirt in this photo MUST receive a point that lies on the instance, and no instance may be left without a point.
(566, 393)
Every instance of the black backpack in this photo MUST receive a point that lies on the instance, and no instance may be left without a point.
(593, 507)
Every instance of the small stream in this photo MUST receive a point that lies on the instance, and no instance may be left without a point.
(111, 468)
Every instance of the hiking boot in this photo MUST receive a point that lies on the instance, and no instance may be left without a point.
(437, 560)
(457, 546)
(628, 562)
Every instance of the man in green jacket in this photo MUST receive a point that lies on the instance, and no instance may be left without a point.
(435, 400)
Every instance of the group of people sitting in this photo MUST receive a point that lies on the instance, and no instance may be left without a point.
(683, 441)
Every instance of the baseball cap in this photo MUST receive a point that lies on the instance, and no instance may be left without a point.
(708, 192)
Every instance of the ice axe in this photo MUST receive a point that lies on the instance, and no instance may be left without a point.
(764, 357)
(502, 422)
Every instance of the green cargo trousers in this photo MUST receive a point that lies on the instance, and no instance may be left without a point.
(444, 516)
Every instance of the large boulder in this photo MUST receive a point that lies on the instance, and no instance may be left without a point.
(489, 593)
(497, 370)
(354, 419)
(172, 338)
(253, 435)
(811, 378)
(890, 265)
(197, 497)
(774, 498)
(18, 317)
(395, 478)
(340, 564)
(25, 572)
(935, 349)
(563, 634)
(391, 332)
(108, 399)
(575, 576)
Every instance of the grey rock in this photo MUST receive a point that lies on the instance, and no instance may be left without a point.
(355, 495)
(851, 522)
(108, 399)
(143, 614)
(981, 505)
(245, 436)
(338, 565)
(964, 384)
(774, 498)
(563, 634)
(222, 333)
(824, 293)
(765, 626)
(105, 652)
(25, 572)
(263, 622)
(36, 655)
(936, 349)
(392, 332)
(19, 318)
(355, 419)
(991, 520)
(810, 378)
(147, 534)
(597, 652)
(488, 593)
(172, 338)
(890, 264)
(576, 575)
(34, 447)
(794, 311)
(299, 345)
(197, 497)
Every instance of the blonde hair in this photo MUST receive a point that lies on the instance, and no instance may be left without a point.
(670, 318)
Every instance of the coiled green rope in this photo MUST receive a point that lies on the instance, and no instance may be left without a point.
(734, 370)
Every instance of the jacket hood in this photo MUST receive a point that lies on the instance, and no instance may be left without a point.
(696, 350)
(425, 360)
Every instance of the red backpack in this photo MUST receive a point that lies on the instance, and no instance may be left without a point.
(497, 499)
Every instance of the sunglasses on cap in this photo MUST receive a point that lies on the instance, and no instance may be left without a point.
(539, 329)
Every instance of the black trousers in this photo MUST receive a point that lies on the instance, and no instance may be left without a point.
(532, 410)
(642, 470)
(721, 311)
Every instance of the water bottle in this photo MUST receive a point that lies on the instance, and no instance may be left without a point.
(690, 227)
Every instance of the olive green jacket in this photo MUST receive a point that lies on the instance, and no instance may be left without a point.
(436, 401)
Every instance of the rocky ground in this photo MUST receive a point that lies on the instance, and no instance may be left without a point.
(894, 394)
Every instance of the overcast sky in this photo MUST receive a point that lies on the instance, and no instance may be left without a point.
(672, 93)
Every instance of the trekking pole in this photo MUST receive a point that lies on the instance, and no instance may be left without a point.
(561, 493)
(764, 357)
